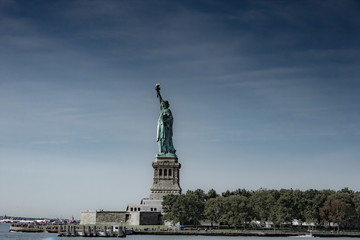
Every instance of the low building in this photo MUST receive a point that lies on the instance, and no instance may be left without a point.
(149, 212)
(120, 218)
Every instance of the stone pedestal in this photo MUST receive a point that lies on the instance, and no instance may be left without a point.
(166, 179)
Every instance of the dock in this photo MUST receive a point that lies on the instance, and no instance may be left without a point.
(76, 230)
(92, 231)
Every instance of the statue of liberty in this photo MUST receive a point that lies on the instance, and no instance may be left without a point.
(164, 128)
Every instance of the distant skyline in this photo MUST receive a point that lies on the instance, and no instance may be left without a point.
(264, 94)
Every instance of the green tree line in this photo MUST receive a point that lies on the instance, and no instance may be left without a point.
(242, 208)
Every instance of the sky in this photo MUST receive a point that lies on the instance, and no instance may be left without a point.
(264, 94)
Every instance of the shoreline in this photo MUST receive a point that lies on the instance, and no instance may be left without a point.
(229, 233)
(246, 234)
(34, 229)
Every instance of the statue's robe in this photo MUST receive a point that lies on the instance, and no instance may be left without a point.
(165, 132)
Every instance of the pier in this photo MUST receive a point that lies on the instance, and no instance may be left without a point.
(91, 231)
(76, 230)
(33, 228)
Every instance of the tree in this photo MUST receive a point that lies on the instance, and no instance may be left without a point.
(195, 205)
(227, 193)
(211, 194)
(298, 205)
(333, 211)
(174, 209)
(262, 202)
(214, 209)
(310, 212)
(285, 213)
(240, 207)
(236, 211)
(184, 209)
(242, 192)
(346, 195)
(356, 200)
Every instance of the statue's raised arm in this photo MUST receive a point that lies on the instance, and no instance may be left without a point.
(164, 128)
(158, 95)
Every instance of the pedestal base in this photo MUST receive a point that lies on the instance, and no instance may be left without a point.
(166, 179)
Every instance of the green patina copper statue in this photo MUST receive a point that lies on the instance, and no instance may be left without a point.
(164, 128)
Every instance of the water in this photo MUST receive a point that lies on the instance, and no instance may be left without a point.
(6, 235)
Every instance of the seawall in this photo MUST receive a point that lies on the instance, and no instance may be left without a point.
(245, 234)
(54, 229)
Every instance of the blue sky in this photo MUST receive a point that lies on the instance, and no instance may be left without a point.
(265, 94)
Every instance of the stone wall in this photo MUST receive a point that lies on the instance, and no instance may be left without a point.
(150, 218)
(120, 217)
(110, 217)
(103, 217)
(88, 218)
(134, 219)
